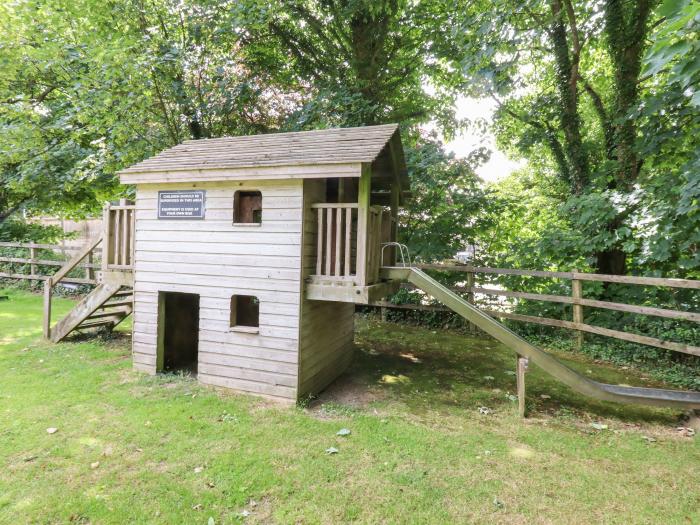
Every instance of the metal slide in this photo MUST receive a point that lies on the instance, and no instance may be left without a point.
(579, 383)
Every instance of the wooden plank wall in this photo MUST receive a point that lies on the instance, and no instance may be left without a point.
(217, 259)
(326, 332)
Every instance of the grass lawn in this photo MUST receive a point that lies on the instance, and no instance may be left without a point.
(137, 449)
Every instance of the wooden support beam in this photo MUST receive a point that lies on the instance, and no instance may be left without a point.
(107, 244)
(89, 270)
(32, 257)
(470, 297)
(89, 246)
(48, 285)
(521, 369)
(576, 294)
(363, 203)
(160, 334)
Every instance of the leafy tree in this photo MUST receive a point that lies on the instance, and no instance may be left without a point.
(88, 88)
(449, 208)
(569, 79)
(362, 62)
(357, 62)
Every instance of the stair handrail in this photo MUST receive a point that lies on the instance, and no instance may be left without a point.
(54, 279)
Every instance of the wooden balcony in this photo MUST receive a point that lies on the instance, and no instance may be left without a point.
(118, 237)
(348, 253)
(118, 231)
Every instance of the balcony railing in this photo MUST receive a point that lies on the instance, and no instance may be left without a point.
(118, 241)
(343, 255)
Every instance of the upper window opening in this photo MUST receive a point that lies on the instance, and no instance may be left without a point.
(245, 311)
(247, 207)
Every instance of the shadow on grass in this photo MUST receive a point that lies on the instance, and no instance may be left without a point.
(444, 371)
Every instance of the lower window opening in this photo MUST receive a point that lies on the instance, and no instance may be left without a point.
(245, 311)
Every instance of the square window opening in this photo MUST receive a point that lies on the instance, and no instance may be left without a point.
(245, 311)
(247, 207)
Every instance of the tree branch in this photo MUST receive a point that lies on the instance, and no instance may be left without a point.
(575, 42)
(548, 134)
(603, 117)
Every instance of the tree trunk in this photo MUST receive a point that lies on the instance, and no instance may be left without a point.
(612, 261)
(570, 121)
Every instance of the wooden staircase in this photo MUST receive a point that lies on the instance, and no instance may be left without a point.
(105, 307)
(112, 299)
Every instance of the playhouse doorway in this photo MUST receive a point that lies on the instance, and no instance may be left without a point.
(178, 332)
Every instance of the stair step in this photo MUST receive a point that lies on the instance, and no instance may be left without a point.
(95, 323)
(124, 302)
(122, 293)
(97, 314)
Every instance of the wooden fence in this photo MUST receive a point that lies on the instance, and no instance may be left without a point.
(576, 299)
(34, 262)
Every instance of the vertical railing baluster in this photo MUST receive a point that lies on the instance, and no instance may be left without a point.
(338, 239)
(348, 239)
(329, 233)
(319, 243)
(115, 246)
(125, 236)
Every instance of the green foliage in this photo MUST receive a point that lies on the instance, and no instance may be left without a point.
(449, 208)
(18, 230)
(354, 62)
(676, 46)
(618, 132)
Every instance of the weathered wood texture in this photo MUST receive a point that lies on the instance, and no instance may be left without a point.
(326, 331)
(576, 299)
(599, 277)
(545, 361)
(328, 146)
(216, 259)
(336, 245)
(118, 244)
(34, 262)
(520, 370)
(87, 310)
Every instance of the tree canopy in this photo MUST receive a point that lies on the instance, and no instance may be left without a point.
(600, 98)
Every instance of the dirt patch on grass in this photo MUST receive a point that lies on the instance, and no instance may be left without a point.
(349, 393)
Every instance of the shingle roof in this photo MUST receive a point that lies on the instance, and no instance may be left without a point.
(327, 146)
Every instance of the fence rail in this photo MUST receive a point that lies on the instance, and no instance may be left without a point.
(576, 299)
(35, 262)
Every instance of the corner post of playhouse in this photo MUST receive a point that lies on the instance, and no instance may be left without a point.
(106, 243)
(363, 202)
(160, 334)
(395, 200)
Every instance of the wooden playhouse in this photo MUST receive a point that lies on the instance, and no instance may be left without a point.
(250, 252)
(242, 259)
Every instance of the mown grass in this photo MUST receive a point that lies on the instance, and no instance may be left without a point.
(137, 449)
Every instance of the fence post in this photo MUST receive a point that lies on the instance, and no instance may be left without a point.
(576, 294)
(470, 296)
(32, 258)
(89, 270)
(48, 285)
(520, 376)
